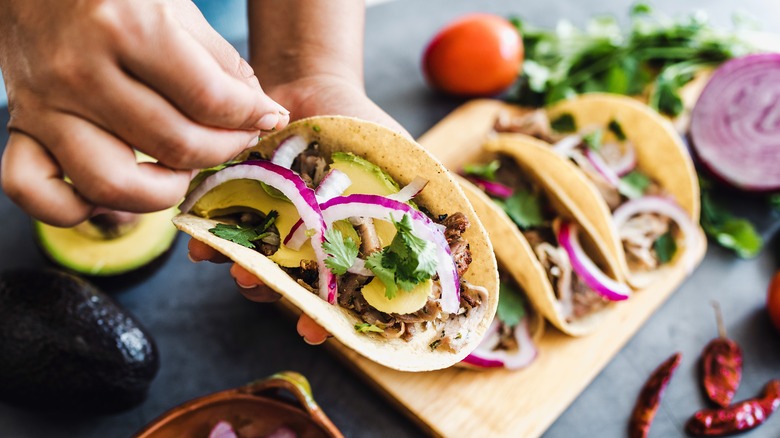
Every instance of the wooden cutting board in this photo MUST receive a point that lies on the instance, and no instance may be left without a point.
(507, 403)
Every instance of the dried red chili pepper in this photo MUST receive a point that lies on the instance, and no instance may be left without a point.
(650, 397)
(739, 417)
(721, 363)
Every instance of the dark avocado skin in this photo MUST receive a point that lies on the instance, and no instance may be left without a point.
(65, 345)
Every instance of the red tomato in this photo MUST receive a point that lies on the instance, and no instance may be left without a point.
(773, 300)
(477, 55)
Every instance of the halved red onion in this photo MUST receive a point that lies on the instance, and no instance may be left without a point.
(602, 167)
(410, 190)
(486, 355)
(333, 184)
(492, 188)
(586, 269)
(627, 161)
(288, 149)
(380, 207)
(567, 144)
(292, 186)
(661, 206)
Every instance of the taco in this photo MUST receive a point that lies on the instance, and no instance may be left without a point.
(545, 240)
(512, 338)
(316, 212)
(640, 167)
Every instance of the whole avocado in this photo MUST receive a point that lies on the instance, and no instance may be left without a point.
(65, 344)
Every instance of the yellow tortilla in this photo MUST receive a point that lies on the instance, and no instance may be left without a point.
(661, 155)
(515, 252)
(402, 159)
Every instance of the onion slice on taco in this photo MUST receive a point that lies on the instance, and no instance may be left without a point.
(404, 276)
(641, 168)
(540, 234)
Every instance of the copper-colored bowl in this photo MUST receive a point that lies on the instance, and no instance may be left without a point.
(257, 409)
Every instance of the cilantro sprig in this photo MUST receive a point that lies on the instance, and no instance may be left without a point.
(735, 233)
(341, 252)
(511, 305)
(486, 171)
(246, 236)
(524, 208)
(406, 262)
(366, 328)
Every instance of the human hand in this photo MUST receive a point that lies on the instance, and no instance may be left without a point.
(254, 290)
(88, 81)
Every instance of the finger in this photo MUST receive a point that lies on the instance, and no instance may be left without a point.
(199, 251)
(185, 72)
(145, 120)
(104, 170)
(33, 180)
(251, 287)
(312, 332)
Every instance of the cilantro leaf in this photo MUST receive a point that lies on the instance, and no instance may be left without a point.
(524, 209)
(564, 123)
(634, 184)
(486, 171)
(730, 232)
(406, 262)
(366, 327)
(341, 252)
(774, 201)
(244, 236)
(511, 305)
(665, 247)
(593, 139)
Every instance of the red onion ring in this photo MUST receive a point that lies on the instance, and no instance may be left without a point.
(627, 162)
(410, 190)
(492, 188)
(665, 207)
(735, 125)
(223, 429)
(602, 167)
(586, 269)
(292, 186)
(486, 356)
(332, 185)
(288, 149)
(380, 207)
(567, 144)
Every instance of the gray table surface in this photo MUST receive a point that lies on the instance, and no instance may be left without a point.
(210, 338)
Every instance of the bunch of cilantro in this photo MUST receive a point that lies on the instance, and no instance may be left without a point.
(657, 55)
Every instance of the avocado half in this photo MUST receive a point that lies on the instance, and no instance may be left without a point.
(90, 250)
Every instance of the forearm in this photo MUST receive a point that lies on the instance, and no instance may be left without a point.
(294, 39)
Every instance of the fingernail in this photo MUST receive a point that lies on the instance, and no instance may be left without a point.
(252, 142)
(189, 256)
(306, 340)
(282, 110)
(245, 286)
(267, 122)
(284, 119)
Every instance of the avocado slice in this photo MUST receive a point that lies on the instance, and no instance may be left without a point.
(101, 248)
(66, 345)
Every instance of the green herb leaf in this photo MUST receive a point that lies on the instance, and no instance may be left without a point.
(524, 209)
(366, 327)
(593, 139)
(564, 123)
(244, 236)
(774, 201)
(406, 262)
(634, 184)
(617, 130)
(665, 247)
(486, 171)
(341, 252)
(511, 305)
(730, 232)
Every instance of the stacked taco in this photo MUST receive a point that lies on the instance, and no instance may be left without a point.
(638, 164)
(362, 230)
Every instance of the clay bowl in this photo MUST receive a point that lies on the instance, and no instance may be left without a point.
(258, 409)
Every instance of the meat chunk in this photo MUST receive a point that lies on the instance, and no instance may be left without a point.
(535, 123)
(638, 235)
(456, 224)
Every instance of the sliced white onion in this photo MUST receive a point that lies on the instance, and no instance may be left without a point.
(586, 269)
(332, 185)
(380, 207)
(288, 149)
(627, 162)
(664, 207)
(602, 167)
(486, 355)
(567, 144)
(410, 190)
(292, 186)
